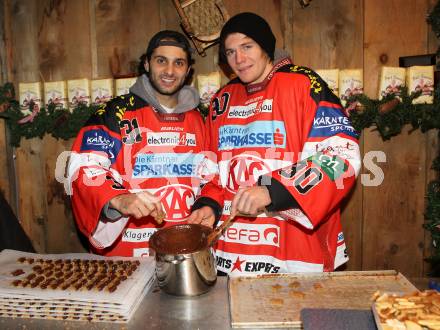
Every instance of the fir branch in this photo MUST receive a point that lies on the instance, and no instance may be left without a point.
(391, 123)
(433, 19)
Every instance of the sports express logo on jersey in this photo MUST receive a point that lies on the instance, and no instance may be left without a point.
(166, 165)
(242, 265)
(330, 121)
(100, 140)
(246, 111)
(262, 134)
(171, 139)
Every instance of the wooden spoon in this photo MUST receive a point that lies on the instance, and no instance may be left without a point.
(217, 232)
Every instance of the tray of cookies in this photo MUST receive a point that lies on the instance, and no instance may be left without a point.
(72, 286)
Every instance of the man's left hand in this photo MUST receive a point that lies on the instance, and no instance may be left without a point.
(250, 200)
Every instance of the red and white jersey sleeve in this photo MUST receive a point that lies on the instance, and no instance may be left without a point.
(294, 131)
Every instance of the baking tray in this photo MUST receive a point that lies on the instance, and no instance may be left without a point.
(275, 301)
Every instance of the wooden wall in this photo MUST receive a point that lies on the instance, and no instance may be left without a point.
(66, 39)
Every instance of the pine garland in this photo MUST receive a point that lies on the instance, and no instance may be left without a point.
(434, 19)
(390, 122)
(60, 123)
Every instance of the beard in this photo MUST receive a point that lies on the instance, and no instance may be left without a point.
(154, 81)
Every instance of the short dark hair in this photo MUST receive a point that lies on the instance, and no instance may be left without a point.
(169, 38)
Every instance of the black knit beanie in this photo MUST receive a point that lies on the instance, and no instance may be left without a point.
(253, 26)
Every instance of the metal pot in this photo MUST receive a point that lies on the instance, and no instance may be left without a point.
(185, 264)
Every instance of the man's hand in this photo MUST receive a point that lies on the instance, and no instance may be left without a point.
(250, 200)
(204, 216)
(139, 205)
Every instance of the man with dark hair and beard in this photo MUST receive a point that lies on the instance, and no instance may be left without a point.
(133, 166)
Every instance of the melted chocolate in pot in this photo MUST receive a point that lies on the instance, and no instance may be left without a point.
(180, 239)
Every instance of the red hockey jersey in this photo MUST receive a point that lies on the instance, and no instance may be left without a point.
(292, 129)
(128, 146)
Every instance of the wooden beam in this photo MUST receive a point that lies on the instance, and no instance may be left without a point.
(287, 25)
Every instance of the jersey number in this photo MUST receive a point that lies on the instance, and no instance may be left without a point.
(132, 131)
(219, 105)
(304, 178)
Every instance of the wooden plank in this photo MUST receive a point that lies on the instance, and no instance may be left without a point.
(32, 196)
(432, 147)
(64, 40)
(4, 160)
(328, 34)
(336, 42)
(393, 235)
(8, 179)
(169, 18)
(352, 221)
(123, 29)
(58, 37)
(4, 157)
(287, 25)
(30, 178)
(61, 232)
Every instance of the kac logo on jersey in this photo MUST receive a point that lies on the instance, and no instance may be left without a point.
(176, 200)
(100, 140)
(259, 134)
(244, 171)
(330, 121)
(246, 111)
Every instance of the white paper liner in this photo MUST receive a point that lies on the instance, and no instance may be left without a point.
(71, 304)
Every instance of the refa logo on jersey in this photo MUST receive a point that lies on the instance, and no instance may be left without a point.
(100, 140)
(253, 234)
(246, 111)
(176, 200)
(244, 171)
(330, 121)
(259, 134)
(171, 139)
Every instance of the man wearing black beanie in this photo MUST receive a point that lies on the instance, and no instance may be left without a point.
(287, 155)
